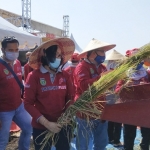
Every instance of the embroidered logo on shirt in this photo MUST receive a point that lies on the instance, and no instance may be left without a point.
(27, 85)
(9, 77)
(61, 80)
(91, 70)
(53, 88)
(6, 71)
(42, 81)
(81, 75)
(19, 69)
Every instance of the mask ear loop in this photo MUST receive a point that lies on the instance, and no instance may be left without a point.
(96, 53)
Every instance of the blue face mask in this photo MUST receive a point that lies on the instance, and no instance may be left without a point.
(99, 59)
(56, 63)
(139, 66)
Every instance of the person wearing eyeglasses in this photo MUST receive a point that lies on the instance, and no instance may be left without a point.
(11, 106)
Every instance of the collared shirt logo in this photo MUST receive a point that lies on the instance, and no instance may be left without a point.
(61, 80)
(91, 70)
(6, 71)
(42, 81)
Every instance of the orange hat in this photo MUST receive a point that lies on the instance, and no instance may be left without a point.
(66, 45)
(131, 52)
(74, 57)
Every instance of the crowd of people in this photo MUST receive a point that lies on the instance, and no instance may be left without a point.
(49, 89)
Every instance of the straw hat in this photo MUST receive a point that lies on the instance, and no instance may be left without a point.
(114, 55)
(95, 44)
(66, 45)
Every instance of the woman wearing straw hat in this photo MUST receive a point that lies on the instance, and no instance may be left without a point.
(47, 90)
(87, 72)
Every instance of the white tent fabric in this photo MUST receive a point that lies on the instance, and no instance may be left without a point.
(77, 47)
(24, 38)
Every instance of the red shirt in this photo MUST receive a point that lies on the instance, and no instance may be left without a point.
(10, 93)
(27, 70)
(70, 71)
(44, 97)
(86, 74)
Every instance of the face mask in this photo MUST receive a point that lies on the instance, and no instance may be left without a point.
(139, 66)
(11, 55)
(56, 63)
(99, 59)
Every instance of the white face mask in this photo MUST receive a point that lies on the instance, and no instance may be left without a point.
(56, 63)
(11, 55)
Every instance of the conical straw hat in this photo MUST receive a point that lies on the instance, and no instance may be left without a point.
(95, 44)
(66, 45)
(114, 55)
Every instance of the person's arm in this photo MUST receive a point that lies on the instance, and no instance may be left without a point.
(119, 86)
(69, 88)
(30, 95)
(83, 77)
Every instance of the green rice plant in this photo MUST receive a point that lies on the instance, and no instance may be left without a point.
(87, 103)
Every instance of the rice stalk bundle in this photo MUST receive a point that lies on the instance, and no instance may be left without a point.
(99, 88)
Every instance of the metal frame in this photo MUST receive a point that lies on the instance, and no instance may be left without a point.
(65, 26)
(26, 15)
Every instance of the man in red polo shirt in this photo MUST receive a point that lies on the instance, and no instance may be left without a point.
(85, 74)
(11, 106)
(71, 68)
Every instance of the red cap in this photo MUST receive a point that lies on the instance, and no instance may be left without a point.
(74, 57)
(131, 52)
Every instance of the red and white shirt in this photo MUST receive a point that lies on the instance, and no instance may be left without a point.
(85, 75)
(46, 94)
(10, 93)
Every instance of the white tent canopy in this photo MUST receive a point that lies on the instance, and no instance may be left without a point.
(25, 39)
(77, 47)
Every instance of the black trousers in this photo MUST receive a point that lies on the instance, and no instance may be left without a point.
(114, 132)
(63, 139)
(130, 134)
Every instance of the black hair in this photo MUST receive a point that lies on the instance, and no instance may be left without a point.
(89, 53)
(50, 55)
(8, 39)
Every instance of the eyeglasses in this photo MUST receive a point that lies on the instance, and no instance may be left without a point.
(9, 38)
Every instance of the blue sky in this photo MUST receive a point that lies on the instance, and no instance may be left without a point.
(125, 23)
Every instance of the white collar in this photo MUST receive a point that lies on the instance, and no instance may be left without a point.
(86, 60)
(43, 70)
